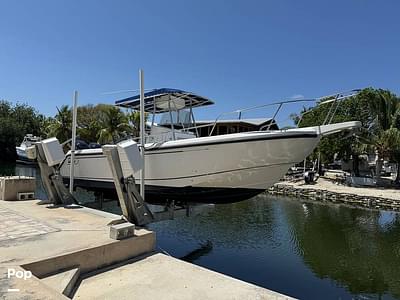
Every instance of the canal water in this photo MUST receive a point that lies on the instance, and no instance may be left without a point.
(304, 249)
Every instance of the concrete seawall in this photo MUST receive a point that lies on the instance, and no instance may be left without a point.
(318, 193)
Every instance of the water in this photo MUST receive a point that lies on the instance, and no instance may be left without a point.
(304, 249)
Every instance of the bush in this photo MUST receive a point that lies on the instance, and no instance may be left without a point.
(15, 122)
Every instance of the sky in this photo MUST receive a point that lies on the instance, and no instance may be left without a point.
(237, 53)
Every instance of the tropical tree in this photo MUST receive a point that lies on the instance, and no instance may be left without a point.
(27, 119)
(341, 144)
(61, 125)
(376, 109)
(8, 132)
(89, 122)
(45, 126)
(16, 120)
(114, 126)
(134, 120)
(384, 131)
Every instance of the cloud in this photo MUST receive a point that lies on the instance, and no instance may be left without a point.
(297, 97)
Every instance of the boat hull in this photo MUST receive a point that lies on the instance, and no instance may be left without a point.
(22, 157)
(219, 169)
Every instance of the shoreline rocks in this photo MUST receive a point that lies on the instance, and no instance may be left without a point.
(319, 194)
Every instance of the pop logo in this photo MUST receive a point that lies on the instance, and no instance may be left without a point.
(19, 274)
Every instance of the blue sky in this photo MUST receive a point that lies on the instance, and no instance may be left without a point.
(238, 53)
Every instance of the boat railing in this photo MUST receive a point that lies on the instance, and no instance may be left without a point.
(334, 99)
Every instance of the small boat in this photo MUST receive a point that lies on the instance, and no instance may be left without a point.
(28, 141)
(183, 166)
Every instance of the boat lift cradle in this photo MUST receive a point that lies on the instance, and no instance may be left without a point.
(134, 209)
(49, 155)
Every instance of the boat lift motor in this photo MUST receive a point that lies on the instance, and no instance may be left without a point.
(49, 154)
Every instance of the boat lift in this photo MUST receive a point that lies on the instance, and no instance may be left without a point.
(124, 159)
(49, 154)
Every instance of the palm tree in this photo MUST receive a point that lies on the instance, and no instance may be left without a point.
(61, 125)
(134, 120)
(89, 122)
(114, 126)
(383, 134)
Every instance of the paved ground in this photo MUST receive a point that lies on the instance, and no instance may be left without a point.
(44, 231)
(163, 277)
(45, 239)
(14, 225)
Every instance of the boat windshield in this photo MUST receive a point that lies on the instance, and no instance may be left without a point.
(180, 117)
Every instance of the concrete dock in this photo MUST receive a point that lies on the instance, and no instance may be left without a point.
(49, 252)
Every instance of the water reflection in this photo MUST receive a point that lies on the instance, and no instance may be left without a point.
(240, 225)
(359, 249)
(288, 245)
(204, 249)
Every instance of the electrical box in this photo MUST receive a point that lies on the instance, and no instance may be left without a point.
(53, 151)
(130, 157)
(122, 231)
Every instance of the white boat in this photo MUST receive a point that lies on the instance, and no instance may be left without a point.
(214, 169)
(28, 141)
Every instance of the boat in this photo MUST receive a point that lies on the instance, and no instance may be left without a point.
(28, 141)
(182, 166)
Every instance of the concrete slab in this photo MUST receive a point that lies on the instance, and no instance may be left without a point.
(45, 239)
(61, 238)
(163, 277)
(32, 288)
(63, 282)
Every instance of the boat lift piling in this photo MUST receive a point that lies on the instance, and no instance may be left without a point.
(73, 144)
(142, 132)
